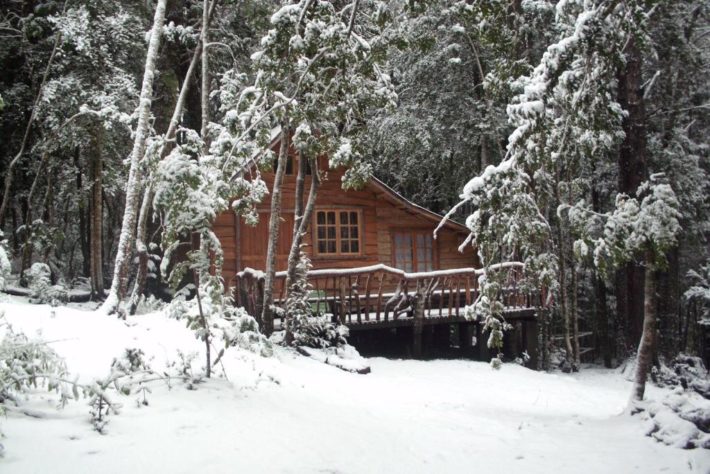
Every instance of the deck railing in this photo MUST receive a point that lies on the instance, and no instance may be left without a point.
(382, 294)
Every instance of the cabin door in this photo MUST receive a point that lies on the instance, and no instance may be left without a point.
(413, 251)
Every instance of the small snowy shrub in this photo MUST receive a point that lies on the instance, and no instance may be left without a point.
(523, 359)
(685, 371)
(27, 364)
(150, 304)
(212, 317)
(321, 333)
(41, 289)
(183, 369)
(238, 329)
(304, 326)
(129, 375)
(496, 362)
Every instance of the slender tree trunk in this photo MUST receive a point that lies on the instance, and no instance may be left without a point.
(97, 217)
(267, 316)
(602, 315)
(141, 253)
(83, 224)
(206, 338)
(205, 92)
(564, 298)
(298, 218)
(146, 203)
(48, 213)
(647, 345)
(632, 172)
(133, 186)
(575, 319)
(300, 228)
(27, 250)
(668, 305)
(600, 292)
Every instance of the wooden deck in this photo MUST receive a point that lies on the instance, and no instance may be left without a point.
(379, 296)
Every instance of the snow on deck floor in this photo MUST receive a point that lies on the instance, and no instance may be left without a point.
(406, 416)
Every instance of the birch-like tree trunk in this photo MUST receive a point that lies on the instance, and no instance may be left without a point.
(267, 315)
(169, 138)
(647, 345)
(301, 222)
(133, 186)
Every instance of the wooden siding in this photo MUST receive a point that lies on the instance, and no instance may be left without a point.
(381, 211)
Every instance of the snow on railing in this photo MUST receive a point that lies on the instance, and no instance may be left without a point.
(383, 294)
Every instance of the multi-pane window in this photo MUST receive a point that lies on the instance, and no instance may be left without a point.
(338, 232)
(413, 251)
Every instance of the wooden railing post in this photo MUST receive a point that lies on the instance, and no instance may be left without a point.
(343, 302)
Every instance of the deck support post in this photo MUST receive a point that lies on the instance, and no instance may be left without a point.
(259, 300)
(482, 343)
(418, 320)
(467, 331)
(530, 340)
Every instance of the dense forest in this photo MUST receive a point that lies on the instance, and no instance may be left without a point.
(570, 136)
(565, 140)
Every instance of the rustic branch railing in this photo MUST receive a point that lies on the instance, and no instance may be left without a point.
(382, 294)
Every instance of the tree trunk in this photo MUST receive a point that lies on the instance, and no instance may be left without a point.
(602, 315)
(648, 336)
(575, 320)
(142, 231)
(632, 172)
(564, 298)
(300, 226)
(126, 240)
(27, 250)
(267, 316)
(600, 293)
(205, 92)
(668, 305)
(83, 224)
(142, 253)
(97, 218)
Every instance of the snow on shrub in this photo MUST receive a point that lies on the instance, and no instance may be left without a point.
(212, 316)
(129, 375)
(28, 364)
(41, 289)
(681, 419)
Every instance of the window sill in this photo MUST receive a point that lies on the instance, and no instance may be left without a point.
(336, 256)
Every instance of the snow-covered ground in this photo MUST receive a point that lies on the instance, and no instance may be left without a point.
(292, 414)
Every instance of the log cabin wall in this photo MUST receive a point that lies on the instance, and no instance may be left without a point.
(380, 213)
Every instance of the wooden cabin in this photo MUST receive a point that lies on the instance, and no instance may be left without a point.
(376, 267)
(353, 228)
